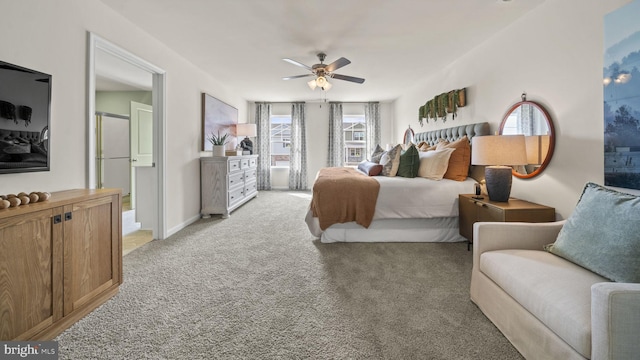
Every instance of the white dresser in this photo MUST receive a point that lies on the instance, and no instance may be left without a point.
(226, 182)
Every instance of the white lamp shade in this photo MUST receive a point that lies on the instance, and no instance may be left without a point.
(312, 84)
(498, 150)
(248, 130)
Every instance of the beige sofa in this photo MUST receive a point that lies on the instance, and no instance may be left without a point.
(548, 307)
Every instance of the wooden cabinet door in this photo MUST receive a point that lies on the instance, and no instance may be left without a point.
(91, 250)
(30, 273)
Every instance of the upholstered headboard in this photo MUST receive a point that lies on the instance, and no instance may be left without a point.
(453, 133)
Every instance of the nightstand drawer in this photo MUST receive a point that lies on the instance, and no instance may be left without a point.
(484, 210)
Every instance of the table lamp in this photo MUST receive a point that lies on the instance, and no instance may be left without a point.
(246, 130)
(498, 153)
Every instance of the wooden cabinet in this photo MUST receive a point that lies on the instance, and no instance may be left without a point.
(226, 182)
(59, 260)
(515, 210)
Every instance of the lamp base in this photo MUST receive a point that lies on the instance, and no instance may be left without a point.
(247, 145)
(498, 179)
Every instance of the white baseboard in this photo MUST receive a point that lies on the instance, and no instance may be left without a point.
(182, 225)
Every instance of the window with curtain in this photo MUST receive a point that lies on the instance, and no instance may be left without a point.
(263, 124)
(354, 132)
(280, 140)
(335, 156)
(298, 149)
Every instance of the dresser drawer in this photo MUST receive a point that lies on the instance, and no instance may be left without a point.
(250, 175)
(235, 179)
(244, 164)
(234, 165)
(250, 188)
(236, 195)
(253, 162)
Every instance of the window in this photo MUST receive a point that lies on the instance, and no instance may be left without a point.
(354, 131)
(280, 140)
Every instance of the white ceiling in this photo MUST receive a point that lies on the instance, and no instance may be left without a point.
(392, 44)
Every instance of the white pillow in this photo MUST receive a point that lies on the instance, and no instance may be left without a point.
(434, 163)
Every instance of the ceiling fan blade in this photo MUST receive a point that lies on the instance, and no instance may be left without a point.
(337, 64)
(296, 76)
(348, 78)
(291, 61)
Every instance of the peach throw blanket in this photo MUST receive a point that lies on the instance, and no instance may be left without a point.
(342, 194)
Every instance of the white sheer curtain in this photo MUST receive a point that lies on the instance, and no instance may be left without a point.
(298, 156)
(372, 125)
(336, 137)
(263, 124)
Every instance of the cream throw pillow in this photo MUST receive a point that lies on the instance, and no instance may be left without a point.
(434, 164)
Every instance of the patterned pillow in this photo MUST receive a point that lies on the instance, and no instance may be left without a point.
(460, 159)
(391, 161)
(377, 154)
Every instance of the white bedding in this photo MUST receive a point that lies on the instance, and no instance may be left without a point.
(402, 198)
(406, 198)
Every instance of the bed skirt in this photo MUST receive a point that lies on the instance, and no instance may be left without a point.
(443, 229)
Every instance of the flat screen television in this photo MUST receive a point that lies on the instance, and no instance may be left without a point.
(25, 115)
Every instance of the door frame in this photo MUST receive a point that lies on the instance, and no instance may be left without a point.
(95, 42)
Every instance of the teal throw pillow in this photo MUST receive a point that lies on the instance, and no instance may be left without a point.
(409, 163)
(603, 234)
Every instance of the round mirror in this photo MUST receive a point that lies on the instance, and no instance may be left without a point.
(530, 119)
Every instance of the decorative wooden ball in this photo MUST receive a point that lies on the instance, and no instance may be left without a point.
(9, 196)
(14, 201)
(22, 193)
(44, 196)
(34, 197)
(4, 204)
(24, 199)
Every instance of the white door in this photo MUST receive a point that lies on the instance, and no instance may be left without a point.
(141, 133)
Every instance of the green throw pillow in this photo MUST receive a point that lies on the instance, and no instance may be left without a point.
(603, 234)
(409, 163)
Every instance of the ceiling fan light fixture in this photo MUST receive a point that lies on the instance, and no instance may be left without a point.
(321, 81)
(326, 86)
(312, 84)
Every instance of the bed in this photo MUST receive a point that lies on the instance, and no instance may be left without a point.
(410, 209)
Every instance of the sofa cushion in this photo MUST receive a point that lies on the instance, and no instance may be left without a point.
(602, 234)
(552, 289)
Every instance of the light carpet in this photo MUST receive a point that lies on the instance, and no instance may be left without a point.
(259, 286)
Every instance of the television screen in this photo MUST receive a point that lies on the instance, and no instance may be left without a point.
(25, 103)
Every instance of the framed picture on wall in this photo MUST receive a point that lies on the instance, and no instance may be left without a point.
(218, 117)
(621, 80)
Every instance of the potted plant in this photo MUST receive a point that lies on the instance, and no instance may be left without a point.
(218, 143)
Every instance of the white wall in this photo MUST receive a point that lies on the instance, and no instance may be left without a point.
(317, 123)
(51, 37)
(555, 55)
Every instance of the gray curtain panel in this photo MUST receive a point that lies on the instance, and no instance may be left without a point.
(372, 124)
(336, 136)
(298, 156)
(263, 124)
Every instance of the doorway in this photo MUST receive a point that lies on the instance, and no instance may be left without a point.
(125, 68)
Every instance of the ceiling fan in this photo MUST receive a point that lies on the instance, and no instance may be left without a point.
(321, 71)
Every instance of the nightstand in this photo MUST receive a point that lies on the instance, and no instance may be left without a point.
(515, 210)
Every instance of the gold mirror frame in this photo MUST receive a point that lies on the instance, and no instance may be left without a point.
(534, 138)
